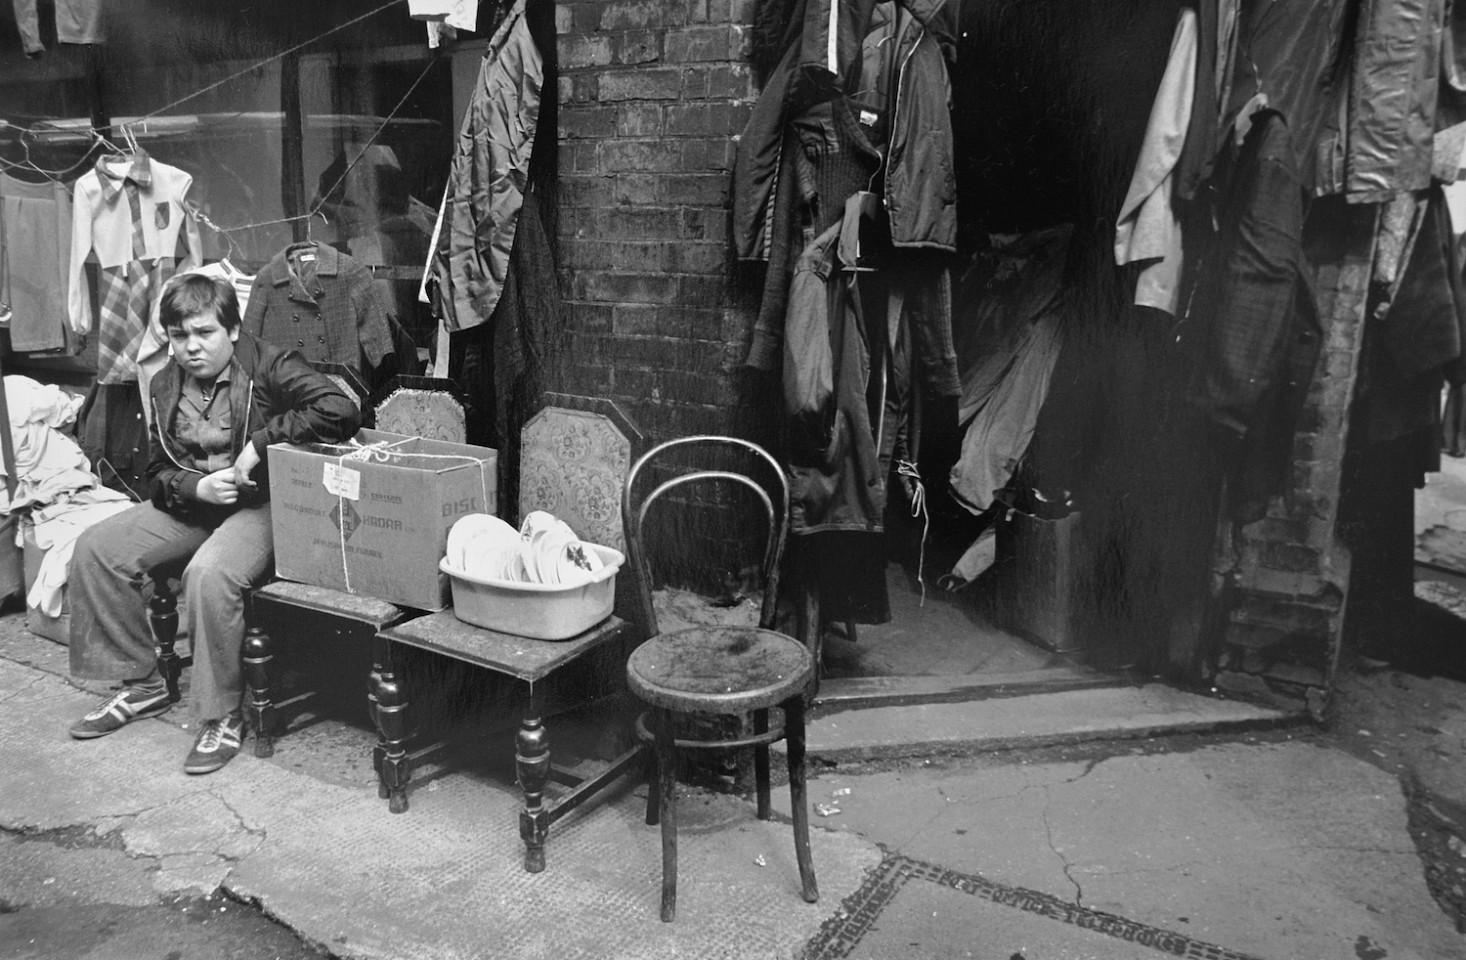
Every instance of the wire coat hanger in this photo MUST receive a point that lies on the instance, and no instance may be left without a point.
(203, 218)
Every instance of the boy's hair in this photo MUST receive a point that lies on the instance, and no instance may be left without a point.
(192, 295)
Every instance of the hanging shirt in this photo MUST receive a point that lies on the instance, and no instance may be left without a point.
(80, 21)
(35, 246)
(130, 212)
(1147, 230)
(29, 24)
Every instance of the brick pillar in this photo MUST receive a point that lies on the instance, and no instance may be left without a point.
(1290, 571)
(653, 94)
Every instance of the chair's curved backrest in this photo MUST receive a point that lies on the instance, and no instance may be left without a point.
(673, 457)
(421, 407)
(572, 463)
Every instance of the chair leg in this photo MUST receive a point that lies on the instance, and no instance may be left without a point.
(163, 618)
(667, 812)
(653, 785)
(809, 627)
(396, 767)
(798, 795)
(761, 764)
(260, 710)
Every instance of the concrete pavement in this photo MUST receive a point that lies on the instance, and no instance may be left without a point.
(1271, 845)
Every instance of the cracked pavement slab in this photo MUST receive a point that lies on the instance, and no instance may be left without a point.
(327, 858)
(39, 873)
(1268, 849)
(1285, 849)
(199, 822)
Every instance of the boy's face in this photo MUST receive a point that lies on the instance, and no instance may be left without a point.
(201, 345)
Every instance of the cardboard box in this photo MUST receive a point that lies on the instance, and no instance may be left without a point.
(57, 629)
(376, 523)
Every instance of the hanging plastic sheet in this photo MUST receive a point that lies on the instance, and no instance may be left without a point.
(487, 180)
(1393, 102)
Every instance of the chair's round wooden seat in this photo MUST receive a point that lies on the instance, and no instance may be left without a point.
(719, 669)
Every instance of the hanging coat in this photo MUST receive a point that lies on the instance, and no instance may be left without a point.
(920, 181)
(1254, 325)
(487, 180)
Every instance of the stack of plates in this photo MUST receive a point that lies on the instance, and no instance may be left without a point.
(543, 550)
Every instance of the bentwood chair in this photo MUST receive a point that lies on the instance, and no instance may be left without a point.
(717, 671)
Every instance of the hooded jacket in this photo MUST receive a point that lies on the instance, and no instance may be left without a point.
(274, 397)
(920, 182)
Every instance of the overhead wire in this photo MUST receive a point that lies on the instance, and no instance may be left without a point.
(125, 127)
(268, 60)
(316, 208)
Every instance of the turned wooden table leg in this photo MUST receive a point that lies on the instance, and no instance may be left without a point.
(396, 767)
(261, 712)
(532, 765)
(163, 617)
(381, 651)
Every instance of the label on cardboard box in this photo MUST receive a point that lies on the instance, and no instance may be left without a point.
(342, 481)
(378, 527)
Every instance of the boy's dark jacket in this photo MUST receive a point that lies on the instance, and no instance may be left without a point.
(274, 396)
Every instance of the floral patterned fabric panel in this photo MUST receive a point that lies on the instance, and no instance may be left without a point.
(423, 413)
(572, 464)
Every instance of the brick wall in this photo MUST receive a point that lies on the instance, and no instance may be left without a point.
(1290, 571)
(653, 93)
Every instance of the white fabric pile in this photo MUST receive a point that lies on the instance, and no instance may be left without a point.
(53, 481)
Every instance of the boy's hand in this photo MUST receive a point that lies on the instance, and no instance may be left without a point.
(219, 487)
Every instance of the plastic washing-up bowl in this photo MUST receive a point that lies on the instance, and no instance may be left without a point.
(544, 611)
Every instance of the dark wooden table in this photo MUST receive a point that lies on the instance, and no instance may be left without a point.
(363, 616)
(523, 659)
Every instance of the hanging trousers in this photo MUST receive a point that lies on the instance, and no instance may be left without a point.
(110, 637)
